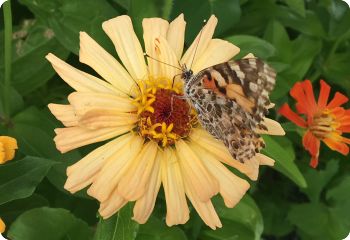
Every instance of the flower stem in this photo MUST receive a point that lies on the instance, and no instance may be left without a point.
(8, 56)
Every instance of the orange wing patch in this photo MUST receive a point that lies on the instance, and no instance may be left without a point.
(235, 92)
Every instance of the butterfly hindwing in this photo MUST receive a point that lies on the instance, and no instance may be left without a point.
(231, 100)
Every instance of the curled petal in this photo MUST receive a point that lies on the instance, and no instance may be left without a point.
(201, 42)
(324, 94)
(133, 184)
(112, 205)
(97, 118)
(232, 188)
(338, 100)
(73, 137)
(115, 168)
(203, 184)
(85, 102)
(205, 140)
(176, 35)
(205, 209)
(79, 80)
(177, 209)
(64, 113)
(273, 128)
(82, 173)
(336, 144)
(153, 29)
(121, 32)
(218, 51)
(92, 54)
(292, 116)
(145, 205)
(312, 145)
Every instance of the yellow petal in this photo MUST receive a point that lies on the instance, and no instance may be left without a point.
(64, 113)
(128, 47)
(100, 118)
(265, 160)
(176, 35)
(73, 137)
(85, 102)
(8, 146)
(112, 205)
(200, 43)
(82, 173)
(133, 185)
(92, 54)
(2, 226)
(153, 28)
(206, 141)
(79, 80)
(273, 128)
(218, 51)
(111, 173)
(249, 55)
(165, 54)
(204, 209)
(177, 209)
(202, 182)
(232, 188)
(145, 205)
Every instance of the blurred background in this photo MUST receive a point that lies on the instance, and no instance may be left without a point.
(301, 39)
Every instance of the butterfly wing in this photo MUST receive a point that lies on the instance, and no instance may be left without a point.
(232, 99)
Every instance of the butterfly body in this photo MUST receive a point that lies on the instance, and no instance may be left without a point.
(231, 100)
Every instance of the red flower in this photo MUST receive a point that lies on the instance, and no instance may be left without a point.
(324, 121)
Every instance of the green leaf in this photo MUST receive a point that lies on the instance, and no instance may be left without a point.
(282, 152)
(67, 18)
(19, 179)
(16, 101)
(195, 12)
(154, 229)
(277, 35)
(30, 69)
(11, 210)
(298, 6)
(317, 221)
(274, 221)
(49, 223)
(336, 69)
(251, 44)
(317, 179)
(228, 13)
(33, 130)
(338, 197)
(244, 221)
(140, 9)
(310, 24)
(118, 227)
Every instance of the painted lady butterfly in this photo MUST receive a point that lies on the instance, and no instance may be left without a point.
(231, 100)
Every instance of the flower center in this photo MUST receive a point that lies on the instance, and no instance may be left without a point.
(323, 125)
(164, 116)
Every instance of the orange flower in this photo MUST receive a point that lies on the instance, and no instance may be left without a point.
(8, 146)
(324, 121)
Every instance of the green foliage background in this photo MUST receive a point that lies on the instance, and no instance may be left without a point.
(300, 39)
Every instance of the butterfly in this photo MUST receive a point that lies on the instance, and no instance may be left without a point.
(231, 100)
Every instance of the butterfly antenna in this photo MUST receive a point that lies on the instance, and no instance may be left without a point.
(199, 38)
(146, 55)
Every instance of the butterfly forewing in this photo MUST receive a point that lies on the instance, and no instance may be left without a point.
(232, 99)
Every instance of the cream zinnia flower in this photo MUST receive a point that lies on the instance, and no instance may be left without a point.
(156, 138)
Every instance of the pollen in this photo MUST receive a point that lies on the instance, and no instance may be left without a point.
(164, 115)
(324, 125)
